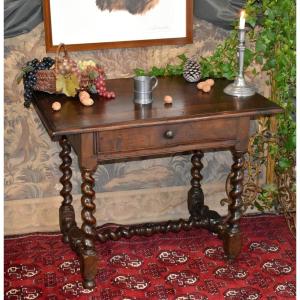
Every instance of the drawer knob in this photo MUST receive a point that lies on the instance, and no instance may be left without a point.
(169, 134)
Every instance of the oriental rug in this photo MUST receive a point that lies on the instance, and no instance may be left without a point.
(183, 266)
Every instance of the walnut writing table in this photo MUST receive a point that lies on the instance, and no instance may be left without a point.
(117, 129)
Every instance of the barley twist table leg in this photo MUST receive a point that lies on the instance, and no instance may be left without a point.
(196, 207)
(89, 255)
(232, 237)
(66, 210)
(195, 196)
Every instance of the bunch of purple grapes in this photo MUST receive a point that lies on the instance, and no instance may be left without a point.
(30, 79)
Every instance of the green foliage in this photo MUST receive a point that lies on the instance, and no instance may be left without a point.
(272, 37)
(275, 50)
(168, 70)
(266, 199)
(223, 62)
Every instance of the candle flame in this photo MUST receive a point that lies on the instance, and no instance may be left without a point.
(243, 14)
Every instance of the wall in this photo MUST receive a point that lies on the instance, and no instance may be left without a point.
(135, 191)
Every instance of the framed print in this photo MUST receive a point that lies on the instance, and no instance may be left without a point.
(96, 24)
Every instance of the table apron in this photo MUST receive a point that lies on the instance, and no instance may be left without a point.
(165, 138)
(101, 146)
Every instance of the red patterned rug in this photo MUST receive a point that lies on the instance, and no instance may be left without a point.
(184, 266)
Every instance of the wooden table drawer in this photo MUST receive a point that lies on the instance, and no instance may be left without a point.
(165, 135)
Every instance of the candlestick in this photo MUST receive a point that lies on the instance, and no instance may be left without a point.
(242, 20)
(240, 88)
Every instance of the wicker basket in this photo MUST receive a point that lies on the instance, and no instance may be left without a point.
(46, 79)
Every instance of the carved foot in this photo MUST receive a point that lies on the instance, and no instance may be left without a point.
(89, 269)
(232, 244)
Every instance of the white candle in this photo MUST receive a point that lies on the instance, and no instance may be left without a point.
(242, 20)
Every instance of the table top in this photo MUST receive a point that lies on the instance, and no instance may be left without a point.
(188, 103)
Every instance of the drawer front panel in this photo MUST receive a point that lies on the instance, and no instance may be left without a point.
(165, 135)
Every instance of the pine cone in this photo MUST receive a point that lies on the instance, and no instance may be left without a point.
(191, 71)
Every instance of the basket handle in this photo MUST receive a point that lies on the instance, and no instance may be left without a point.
(61, 47)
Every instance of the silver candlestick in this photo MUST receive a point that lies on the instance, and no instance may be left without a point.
(240, 88)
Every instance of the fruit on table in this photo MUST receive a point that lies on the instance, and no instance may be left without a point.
(210, 82)
(56, 106)
(29, 76)
(68, 66)
(102, 89)
(85, 98)
(200, 85)
(206, 89)
(168, 99)
(206, 85)
(83, 64)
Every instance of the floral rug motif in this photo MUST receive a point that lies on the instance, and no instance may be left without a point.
(183, 266)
